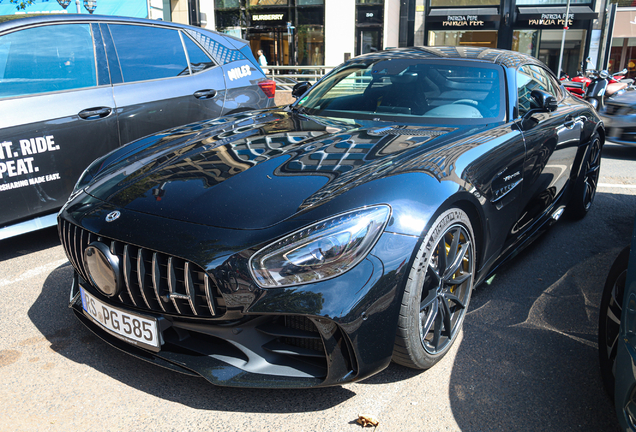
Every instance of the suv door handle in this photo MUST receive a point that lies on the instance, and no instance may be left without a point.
(205, 94)
(95, 113)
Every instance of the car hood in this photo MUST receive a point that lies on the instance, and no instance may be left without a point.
(258, 169)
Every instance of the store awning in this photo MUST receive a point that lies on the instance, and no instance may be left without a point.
(486, 14)
(625, 24)
(128, 8)
(534, 12)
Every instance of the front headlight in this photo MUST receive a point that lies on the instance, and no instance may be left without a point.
(321, 251)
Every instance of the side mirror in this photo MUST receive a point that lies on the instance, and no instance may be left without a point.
(544, 101)
(300, 89)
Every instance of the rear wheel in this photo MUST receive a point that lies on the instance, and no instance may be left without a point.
(437, 293)
(610, 319)
(587, 182)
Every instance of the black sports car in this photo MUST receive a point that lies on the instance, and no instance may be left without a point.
(312, 244)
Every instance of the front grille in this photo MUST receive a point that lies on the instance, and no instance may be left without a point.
(153, 281)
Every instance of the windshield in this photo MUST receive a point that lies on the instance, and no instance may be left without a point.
(411, 89)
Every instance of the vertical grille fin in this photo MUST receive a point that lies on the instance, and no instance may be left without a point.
(141, 276)
(208, 293)
(156, 279)
(172, 284)
(189, 287)
(128, 274)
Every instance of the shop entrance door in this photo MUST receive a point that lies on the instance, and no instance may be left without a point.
(275, 44)
(369, 40)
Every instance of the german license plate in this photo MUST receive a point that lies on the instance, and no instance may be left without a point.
(132, 328)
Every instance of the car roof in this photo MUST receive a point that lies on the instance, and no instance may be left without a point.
(510, 59)
(65, 18)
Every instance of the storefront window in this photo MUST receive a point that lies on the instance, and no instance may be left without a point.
(525, 41)
(311, 45)
(226, 4)
(310, 36)
(479, 38)
(446, 3)
(369, 2)
(268, 2)
(623, 55)
(310, 2)
(546, 46)
(229, 22)
(550, 2)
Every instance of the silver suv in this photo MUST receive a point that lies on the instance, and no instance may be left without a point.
(72, 88)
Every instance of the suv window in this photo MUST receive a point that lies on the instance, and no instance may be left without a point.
(47, 59)
(198, 59)
(532, 78)
(147, 53)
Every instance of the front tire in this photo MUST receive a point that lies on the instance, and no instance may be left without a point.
(610, 319)
(437, 292)
(587, 182)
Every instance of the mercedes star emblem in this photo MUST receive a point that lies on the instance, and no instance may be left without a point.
(113, 216)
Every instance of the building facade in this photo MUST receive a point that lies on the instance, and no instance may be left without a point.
(533, 27)
(327, 32)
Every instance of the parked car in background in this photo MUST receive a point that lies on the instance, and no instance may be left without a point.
(74, 87)
(619, 116)
(617, 335)
(310, 245)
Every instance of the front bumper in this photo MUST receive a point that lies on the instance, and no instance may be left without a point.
(217, 323)
(271, 346)
(264, 351)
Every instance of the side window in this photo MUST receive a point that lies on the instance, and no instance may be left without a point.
(148, 53)
(199, 60)
(219, 52)
(556, 86)
(546, 80)
(47, 59)
(531, 78)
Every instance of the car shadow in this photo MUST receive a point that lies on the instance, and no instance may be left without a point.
(530, 337)
(28, 243)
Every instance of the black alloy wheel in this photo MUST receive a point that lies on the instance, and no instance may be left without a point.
(610, 319)
(437, 293)
(587, 182)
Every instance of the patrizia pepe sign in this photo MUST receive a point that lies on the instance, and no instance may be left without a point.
(552, 19)
(463, 21)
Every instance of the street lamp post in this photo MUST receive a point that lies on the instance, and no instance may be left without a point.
(565, 28)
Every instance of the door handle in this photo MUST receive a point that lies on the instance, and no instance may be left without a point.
(569, 122)
(95, 113)
(205, 94)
